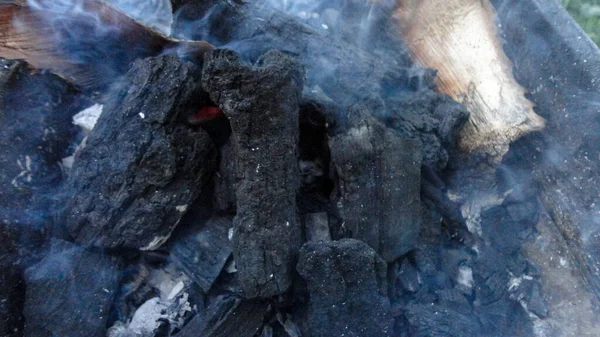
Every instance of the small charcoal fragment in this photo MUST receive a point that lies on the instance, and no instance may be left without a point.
(347, 289)
(379, 175)
(70, 292)
(203, 256)
(262, 104)
(228, 316)
(142, 166)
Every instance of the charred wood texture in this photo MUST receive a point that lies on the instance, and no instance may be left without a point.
(204, 254)
(228, 317)
(347, 289)
(69, 292)
(379, 178)
(142, 166)
(262, 103)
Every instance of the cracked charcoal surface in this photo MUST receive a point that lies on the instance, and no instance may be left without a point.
(262, 103)
(347, 289)
(379, 177)
(141, 166)
(69, 292)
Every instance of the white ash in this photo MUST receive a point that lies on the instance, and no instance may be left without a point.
(87, 118)
(465, 277)
(169, 281)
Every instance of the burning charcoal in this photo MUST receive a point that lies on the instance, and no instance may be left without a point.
(346, 284)
(262, 103)
(141, 167)
(227, 317)
(316, 226)
(202, 256)
(379, 175)
(69, 292)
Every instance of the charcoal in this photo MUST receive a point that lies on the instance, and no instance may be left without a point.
(35, 114)
(12, 293)
(379, 177)
(228, 316)
(262, 103)
(316, 226)
(347, 289)
(202, 256)
(141, 166)
(70, 292)
(440, 321)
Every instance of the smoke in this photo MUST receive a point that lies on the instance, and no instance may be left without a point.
(157, 14)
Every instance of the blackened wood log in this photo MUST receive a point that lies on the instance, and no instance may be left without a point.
(379, 178)
(347, 289)
(262, 103)
(88, 42)
(228, 316)
(70, 292)
(142, 165)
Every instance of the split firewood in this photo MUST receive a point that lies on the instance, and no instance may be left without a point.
(88, 42)
(459, 38)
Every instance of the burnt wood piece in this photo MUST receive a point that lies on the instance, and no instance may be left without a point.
(262, 103)
(202, 255)
(228, 316)
(142, 166)
(70, 292)
(347, 289)
(379, 187)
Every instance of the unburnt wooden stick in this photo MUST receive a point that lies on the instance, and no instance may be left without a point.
(89, 42)
(459, 38)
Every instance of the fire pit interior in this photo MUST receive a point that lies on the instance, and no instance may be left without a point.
(233, 168)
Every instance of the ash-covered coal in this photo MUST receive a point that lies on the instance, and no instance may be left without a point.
(142, 166)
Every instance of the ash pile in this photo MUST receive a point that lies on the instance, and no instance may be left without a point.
(292, 182)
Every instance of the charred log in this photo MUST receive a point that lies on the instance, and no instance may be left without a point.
(379, 178)
(262, 103)
(142, 166)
